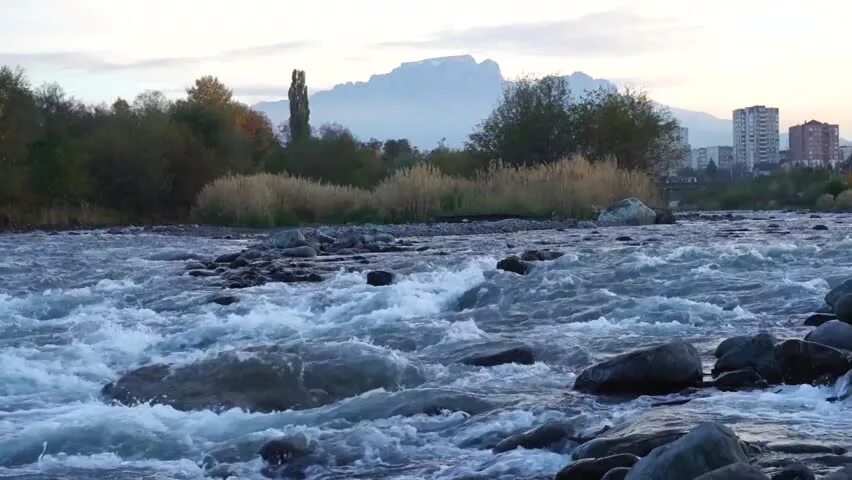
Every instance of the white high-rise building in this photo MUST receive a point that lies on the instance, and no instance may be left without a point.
(755, 136)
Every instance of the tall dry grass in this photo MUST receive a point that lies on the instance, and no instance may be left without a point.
(571, 188)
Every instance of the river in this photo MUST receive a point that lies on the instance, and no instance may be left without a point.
(77, 311)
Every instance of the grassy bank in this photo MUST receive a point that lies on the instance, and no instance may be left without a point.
(570, 188)
(59, 216)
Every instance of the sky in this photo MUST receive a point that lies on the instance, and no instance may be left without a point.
(711, 56)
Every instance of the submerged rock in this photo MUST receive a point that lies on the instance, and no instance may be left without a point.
(630, 211)
(707, 447)
(552, 435)
(835, 293)
(833, 333)
(795, 471)
(490, 356)
(224, 299)
(596, 468)
(265, 379)
(540, 255)
(665, 368)
(379, 278)
(513, 264)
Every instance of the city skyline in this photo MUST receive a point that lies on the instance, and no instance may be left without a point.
(99, 51)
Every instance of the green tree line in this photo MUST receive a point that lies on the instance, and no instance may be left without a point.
(146, 159)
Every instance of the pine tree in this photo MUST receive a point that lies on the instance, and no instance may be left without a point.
(300, 129)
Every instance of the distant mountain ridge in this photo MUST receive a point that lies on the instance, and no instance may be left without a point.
(444, 99)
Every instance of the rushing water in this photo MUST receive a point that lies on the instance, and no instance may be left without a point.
(76, 311)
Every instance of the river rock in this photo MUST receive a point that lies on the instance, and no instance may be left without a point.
(540, 255)
(756, 353)
(664, 368)
(287, 238)
(803, 362)
(552, 435)
(820, 227)
(265, 379)
(705, 448)
(638, 436)
(619, 473)
(740, 380)
(227, 258)
(379, 278)
(498, 355)
(595, 468)
(835, 293)
(303, 251)
(224, 299)
(833, 333)
(630, 211)
(844, 473)
(818, 319)
(194, 266)
(795, 471)
(665, 217)
(280, 451)
(513, 264)
(730, 343)
(736, 471)
(843, 308)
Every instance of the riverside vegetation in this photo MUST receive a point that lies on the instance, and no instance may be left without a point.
(148, 160)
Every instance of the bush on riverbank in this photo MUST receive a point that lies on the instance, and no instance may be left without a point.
(570, 188)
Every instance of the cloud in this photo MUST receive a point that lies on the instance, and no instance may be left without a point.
(91, 62)
(613, 34)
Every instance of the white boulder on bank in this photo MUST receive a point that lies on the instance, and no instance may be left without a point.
(630, 211)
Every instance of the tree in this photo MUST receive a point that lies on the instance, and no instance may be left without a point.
(208, 90)
(529, 126)
(625, 126)
(300, 113)
(711, 169)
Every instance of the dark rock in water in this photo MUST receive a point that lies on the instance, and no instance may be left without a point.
(665, 217)
(324, 239)
(227, 258)
(664, 368)
(803, 362)
(757, 353)
(624, 238)
(224, 299)
(740, 380)
(736, 471)
(194, 266)
(521, 354)
(731, 343)
(553, 435)
(639, 438)
(265, 379)
(299, 252)
(287, 238)
(513, 264)
(379, 278)
(818, 319)
(844, 473)
(280, 451)
(820, 227)
(795, 471)
(589, 469)
(540, 255)
(825, 309)
(201, 273)
(835, 293)
(833, 333)
(705, 448)
(843, 308)
(115, 231)
(619, 473)
(801, 448)
(238, 263)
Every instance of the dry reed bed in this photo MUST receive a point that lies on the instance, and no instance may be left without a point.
(571, 188)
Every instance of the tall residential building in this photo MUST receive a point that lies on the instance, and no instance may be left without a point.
(721, 156)
(681, 142)
(755, 136)
(815, 144)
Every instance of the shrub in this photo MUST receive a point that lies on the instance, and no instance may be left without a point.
(844, 200)
(825, 201)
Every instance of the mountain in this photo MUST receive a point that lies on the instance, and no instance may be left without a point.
(445, 98)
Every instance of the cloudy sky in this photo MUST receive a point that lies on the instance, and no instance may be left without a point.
(709, 55)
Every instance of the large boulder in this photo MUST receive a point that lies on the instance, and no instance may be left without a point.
(833, 333)
(379, 278)
(740, 380)
(619, 473)
(665, 368)
(835, 293)
(630, 211)
(639, 435)
(265, 379)
(735, 471)
(756, 353)
(818, 319)
(804, 362)
(595, 468)
(705, 448)
(287, 239)
(553, 435)
(843, 308)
